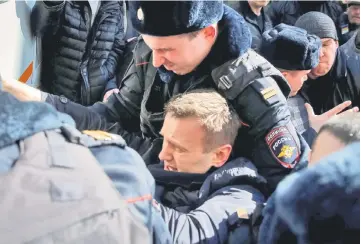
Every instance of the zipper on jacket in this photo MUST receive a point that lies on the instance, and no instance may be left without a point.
(84, 66)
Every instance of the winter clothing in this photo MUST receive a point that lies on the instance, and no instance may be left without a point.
(320, 204)
(291, 48)
(80, 59)
(177, 17)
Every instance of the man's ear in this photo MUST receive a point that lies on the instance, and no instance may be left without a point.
(221, 155)
(210, 32)
(284, 73)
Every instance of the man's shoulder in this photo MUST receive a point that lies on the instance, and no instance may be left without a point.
(141, 49)
(236, 174)
(235, 75)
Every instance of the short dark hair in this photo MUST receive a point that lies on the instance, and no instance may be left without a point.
(345, 127)
(193, 34)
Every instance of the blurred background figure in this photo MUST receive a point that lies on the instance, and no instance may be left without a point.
(349, 21)
(254, 14)
(288, 12)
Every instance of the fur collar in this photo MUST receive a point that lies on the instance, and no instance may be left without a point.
(234, 40)
(22, 119)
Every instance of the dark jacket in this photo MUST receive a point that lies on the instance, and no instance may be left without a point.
(125, 168)
(345, 29)
(256, 91)
(320, 204)
(79, 61)
(338, 85)
(202, 208)
(288, 12)
(351, 51)
(244, 9)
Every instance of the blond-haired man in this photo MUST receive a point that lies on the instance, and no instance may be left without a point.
(202, 198)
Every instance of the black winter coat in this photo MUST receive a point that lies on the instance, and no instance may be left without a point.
(244, 9)
(79, 60)
(340, 84)
(288, 12)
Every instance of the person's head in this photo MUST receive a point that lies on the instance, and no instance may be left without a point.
(321, 25)
(295, 79)
(182, 53)
(180, 33)
(258, 3)
(338, 132)
(353, 12)
(198, 132)
(293, 51)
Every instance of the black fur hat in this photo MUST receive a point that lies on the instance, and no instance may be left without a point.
(167, 18)
(291, 48)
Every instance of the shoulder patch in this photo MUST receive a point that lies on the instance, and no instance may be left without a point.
(99, 135)
(269, 92)
(344, 29)
(283, 146)
(91, 138)
(242, 213)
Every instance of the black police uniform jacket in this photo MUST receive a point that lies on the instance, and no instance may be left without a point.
(79, 59)
(252, 86)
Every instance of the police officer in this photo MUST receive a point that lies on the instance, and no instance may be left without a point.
(295, 52)
(186, 45)
(54, 183)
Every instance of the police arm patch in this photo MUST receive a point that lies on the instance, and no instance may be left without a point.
(283, 146)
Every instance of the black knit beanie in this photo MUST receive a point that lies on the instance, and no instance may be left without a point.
(318, 24)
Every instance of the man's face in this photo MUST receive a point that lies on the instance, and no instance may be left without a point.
(184, 146)
(353, 13)
(327, 58)
(259, 3)
(181, 53)
(325, 144)
(295, 79)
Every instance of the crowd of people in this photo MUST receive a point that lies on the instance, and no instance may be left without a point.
(185, 122)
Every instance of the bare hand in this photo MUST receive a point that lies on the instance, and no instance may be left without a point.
(316, 121)
(110, 92)
(21, 91)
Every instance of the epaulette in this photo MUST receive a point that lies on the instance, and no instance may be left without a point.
(92, 138)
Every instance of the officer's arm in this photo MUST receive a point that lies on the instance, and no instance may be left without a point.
(122, 107)
(213, 221)
(277, 146)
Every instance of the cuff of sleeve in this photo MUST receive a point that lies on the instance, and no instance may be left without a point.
(44, 96)
(110, 86)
